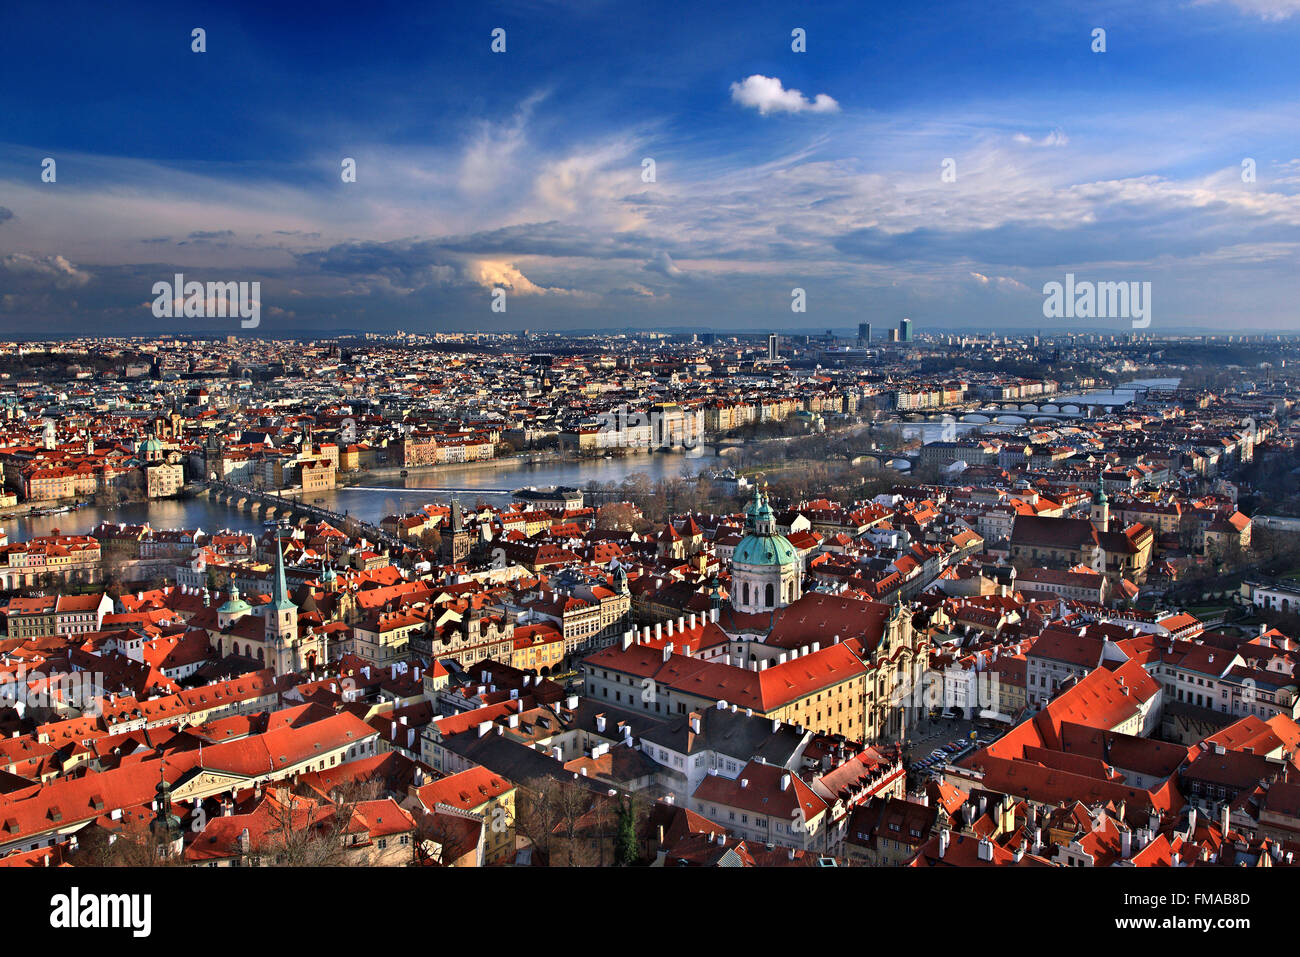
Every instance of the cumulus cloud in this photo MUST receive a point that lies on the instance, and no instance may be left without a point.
(403, 267)
(663, 264)
(492, 274)
(1005, 282)
(767, 95)
(55, 269)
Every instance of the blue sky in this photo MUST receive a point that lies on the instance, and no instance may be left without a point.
(774, 169)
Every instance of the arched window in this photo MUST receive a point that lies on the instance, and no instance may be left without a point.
(771, 595)
(746, 601)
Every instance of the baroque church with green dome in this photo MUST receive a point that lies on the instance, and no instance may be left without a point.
(766, 573)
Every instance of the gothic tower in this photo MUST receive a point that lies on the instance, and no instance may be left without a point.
(1100, 508)
(281, 621)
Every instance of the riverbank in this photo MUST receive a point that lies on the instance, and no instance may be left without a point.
(25, 509)
(395, 471)
(508, 463)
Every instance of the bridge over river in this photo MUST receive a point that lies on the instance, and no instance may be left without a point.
(281, 506)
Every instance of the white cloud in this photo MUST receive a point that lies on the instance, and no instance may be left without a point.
(61, 272)
(663, 264)
(493, 273)
(767, 95)
(1054, 138)
(1270, 10)
(1005, 282)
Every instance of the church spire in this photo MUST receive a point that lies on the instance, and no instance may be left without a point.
(279, 589)
(166, 826)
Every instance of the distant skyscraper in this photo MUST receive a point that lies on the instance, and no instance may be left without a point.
(905, 330)
(771, 347)
(864, 333)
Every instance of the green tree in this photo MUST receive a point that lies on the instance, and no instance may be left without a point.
(625, 848)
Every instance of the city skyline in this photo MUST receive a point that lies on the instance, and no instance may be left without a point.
(941, 167)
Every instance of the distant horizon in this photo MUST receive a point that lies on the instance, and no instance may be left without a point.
(841, 333)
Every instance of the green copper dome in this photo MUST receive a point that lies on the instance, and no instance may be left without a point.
(764, 550)
(762, 544)
(234, 604)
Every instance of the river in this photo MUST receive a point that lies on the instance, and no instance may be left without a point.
(376, 499)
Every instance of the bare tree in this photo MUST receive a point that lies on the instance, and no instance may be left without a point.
(130, 844)
(307, 832)
(569, 825)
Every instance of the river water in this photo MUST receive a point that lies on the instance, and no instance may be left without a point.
(376, 499)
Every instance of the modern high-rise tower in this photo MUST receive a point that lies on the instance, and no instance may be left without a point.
(864, 333)
(905, 330)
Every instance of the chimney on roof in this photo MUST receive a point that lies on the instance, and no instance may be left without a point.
(668, 651)
(943, 842)
(659, 630)
(785, 781)
(695, 723)
(670, 627)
